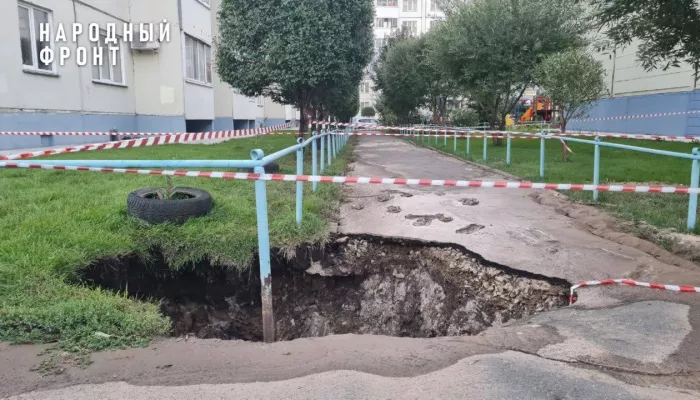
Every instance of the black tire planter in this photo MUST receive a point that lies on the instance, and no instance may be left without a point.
(270, 168)
(145, 205)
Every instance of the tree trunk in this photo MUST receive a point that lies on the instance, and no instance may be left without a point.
(564, 153)
(303, 121)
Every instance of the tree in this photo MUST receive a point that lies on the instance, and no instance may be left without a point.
(401, 78)
(669, 30)
(294, 51)
(346, 105)
(490, 48)
(368, 112)
(573, 81)
(464, 117)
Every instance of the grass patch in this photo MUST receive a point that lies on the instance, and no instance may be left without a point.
(617, 166)
(55, 222)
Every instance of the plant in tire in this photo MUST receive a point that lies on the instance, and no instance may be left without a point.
(169, 204)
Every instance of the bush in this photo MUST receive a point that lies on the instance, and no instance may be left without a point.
(464, 117)
(368, 112)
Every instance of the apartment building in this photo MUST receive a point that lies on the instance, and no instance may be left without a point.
(416, 15)
(142, 82)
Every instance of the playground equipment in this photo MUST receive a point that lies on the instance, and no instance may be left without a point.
(541, 106)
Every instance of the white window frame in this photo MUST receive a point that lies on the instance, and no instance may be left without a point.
(387, 3)
(205, 3)
(387, 23)
(106, 57)
(32, 38)
(260, 101)
(434, 6)
(414, 3)
(199, 66)
(411, 25)
(365, 87)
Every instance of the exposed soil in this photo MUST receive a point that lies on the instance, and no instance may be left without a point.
(357, 284)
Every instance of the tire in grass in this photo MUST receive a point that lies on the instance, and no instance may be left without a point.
(270, 168)
(145, 205)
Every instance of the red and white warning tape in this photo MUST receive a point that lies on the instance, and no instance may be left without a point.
(675, 288)
(214, 134)
(500, 134)
(143, 142)
(654, 115)
(367, 180)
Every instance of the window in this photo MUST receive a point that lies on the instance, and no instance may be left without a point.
(198, 60)
(434, 6)
(387, 3)
(411, 26)
(365, 87)
(410, 5)
(387, 23)
(205, 2)
(110, 68)
(260, 101)
(31, 19)
(364, 104)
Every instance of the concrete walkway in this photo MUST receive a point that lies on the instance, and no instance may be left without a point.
(615, 343)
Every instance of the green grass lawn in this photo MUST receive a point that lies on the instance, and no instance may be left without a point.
(617, 166)
(55, 222)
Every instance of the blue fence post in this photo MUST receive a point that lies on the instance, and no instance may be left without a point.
(596, 167)
(268, 318)
(323, 151)
(542, 154)
(445, 138)
(300, 185)
(508, 150)
(486, 142)
(469, 136)
(455, 146)
(330, 151)
(694, 181)
(314, 160)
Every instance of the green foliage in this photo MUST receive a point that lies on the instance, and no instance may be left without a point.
(401, 78)
(294, 51)
(368, 112)
(464, 117)
(344, 105)
(573, 80)
(50, 228)
(491, 47)
(669, 30)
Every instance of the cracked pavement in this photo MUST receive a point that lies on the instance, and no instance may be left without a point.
(615, 343)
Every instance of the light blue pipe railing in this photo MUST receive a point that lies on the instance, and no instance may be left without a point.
(258, 161)
(597, 143)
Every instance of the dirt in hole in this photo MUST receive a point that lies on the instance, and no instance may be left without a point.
(358, 284)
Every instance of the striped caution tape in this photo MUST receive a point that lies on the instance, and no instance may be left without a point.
(143, 142)
(214, 134)
(640, 116)
(501, 134)
(674, 288)
(368, 180)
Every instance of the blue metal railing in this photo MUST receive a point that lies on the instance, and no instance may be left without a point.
(598, 143)
(258, 161)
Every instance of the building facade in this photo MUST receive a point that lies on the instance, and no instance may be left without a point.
(166, 83)
(416, 15)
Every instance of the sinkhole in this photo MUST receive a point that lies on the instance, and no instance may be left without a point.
(354, 284)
